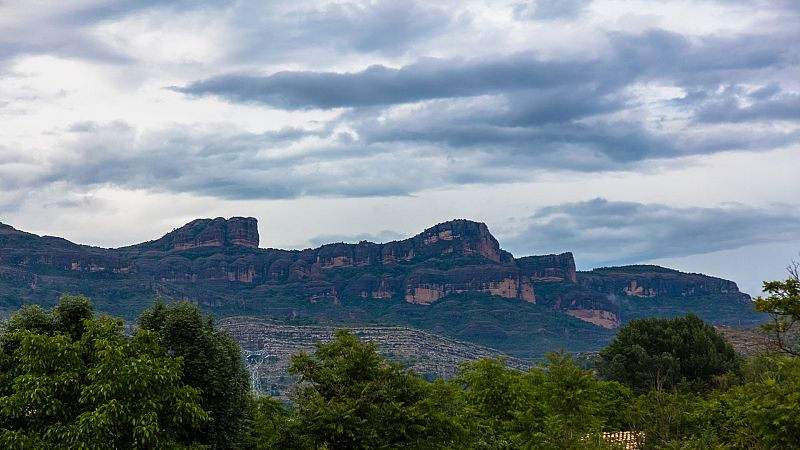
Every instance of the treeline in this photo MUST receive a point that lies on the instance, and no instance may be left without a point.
(72, 380)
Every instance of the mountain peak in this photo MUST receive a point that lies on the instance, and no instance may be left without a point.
(462, 237)
(218, 232)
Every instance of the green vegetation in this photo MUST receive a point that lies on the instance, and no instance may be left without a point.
(211, 363)
(71, 380)
(352, 398)
(783, 305)
(661, 353)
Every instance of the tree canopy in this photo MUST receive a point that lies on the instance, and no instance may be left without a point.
(660, 353)
(74, 381)
(350, 397)
(783, 305)
(212, 363)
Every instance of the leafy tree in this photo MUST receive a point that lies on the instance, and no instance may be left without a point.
(569, 404)
(758, 414)
(268, 425)
(93, 389)
(783, 304)
(495, 396)
(349, 397)
(212, 363)
(555, 405)
(660, 353)
(70, 314)
(763, 412)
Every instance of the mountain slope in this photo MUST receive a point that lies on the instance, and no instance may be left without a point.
(452, 278)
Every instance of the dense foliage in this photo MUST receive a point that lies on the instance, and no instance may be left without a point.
(211, 362)
(71, 381)
(661, 353)
(783, 305)
(352, 398)
(554, 405)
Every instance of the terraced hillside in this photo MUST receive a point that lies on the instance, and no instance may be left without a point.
(268, 347)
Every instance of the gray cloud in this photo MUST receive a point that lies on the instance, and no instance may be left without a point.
(550, 9)
(473, 120)
(485, 143)
(378, 85)
(768, 103)
(494, 130)
(603, 232)
(277, 31)
(540, 91)
(225, 164)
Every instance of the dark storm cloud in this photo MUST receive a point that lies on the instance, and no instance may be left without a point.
(609, 232)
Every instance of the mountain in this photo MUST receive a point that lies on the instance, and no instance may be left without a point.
(452, 279)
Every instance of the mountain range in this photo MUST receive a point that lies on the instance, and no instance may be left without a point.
(452, 279)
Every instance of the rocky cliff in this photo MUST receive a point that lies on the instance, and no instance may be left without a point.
(654, 281)
(219, 232)
(217, 262)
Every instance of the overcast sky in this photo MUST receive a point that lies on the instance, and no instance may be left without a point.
(623, 131)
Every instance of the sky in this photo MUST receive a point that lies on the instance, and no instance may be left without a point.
(623, 131)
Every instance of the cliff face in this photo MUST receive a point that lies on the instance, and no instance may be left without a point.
(217, 262)
(236, 231)
(654, 281)
(549, 268)
(460, 256)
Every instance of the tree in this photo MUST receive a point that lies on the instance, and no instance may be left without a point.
(555, 405)
(349, 397)
(268, 425)
(88, 386)
(660, 353)
(783, 305)
(212, 363)
(759, 414)
(495, 396)
(569, 404)
(70, 314)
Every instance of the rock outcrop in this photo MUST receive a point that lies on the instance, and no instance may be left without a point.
(218, 263)
(549, 268)
(219, 232)
(654, 281)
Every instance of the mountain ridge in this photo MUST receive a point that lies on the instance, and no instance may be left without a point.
(219, 264)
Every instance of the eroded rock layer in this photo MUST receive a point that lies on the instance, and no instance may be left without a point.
(218, 263)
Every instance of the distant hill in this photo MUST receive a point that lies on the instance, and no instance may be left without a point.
(268, 347)
(452, 279)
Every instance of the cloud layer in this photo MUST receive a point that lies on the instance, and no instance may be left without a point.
(261, 102)
(613, 232)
